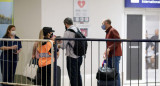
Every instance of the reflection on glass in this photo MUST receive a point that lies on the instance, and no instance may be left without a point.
(152, 33)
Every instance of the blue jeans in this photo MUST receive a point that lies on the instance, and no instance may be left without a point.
(73, 67)
(116, 61)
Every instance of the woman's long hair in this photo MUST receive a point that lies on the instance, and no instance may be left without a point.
(8, 29)
(41, 36)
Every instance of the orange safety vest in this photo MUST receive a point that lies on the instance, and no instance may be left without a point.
(44, 55)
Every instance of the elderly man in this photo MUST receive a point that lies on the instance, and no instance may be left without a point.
(114, 50)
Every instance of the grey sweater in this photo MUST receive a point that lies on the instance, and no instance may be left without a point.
(65, 45)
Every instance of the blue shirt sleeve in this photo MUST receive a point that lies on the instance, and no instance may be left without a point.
(1, 43)
(19, 43)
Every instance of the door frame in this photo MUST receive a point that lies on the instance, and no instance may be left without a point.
(137, 12)
(142, 12)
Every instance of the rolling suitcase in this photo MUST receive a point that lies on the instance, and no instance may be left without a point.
(106, 83)
(107, 76)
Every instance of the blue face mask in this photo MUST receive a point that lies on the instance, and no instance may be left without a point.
(103, 27)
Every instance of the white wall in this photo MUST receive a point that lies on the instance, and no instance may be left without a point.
(54, 12)
(27, 19)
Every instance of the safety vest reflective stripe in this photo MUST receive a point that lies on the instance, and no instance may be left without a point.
(46, 55)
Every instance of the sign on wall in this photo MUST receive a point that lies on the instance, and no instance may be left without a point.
(83, 28)
(6, 15)
(6, 18)
(81, 11)
(142, 3)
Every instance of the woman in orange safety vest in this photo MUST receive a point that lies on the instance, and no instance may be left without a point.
(44, 50)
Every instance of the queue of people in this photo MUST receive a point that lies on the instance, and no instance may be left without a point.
(42, 53)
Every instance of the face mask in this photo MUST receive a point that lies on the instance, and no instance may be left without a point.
(103, 27)
(13, 33)
(51, 35)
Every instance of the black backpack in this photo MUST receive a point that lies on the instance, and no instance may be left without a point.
(80, 47)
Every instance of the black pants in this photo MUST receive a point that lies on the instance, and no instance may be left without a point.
(38, 80)
(46, 75)
(73, 67)
(8, 69)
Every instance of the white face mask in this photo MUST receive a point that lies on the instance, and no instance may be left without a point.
(13, 33)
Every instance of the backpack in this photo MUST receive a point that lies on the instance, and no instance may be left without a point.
(80, 47)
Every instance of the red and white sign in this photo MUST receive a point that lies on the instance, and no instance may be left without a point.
(81, 11)
(81, 3)
(83, 28)
(84, 31)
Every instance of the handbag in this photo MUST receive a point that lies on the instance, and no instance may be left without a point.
(30, 70)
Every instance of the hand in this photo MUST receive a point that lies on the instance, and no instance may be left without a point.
(18, 51)
(104, 55)
(153, 56)
(152, 48)
(59, 46)
(14, 47)
(59, 42)
(108, 50)
(33, 56)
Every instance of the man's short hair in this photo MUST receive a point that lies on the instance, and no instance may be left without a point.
(68, 21)
(108, 21)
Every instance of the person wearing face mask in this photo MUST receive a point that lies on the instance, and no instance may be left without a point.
(9, 55)
(114, 51)
(74, 62)
(44, 50)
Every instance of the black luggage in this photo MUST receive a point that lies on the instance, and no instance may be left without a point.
(107, 76)
(108, 73)
(106, 83)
